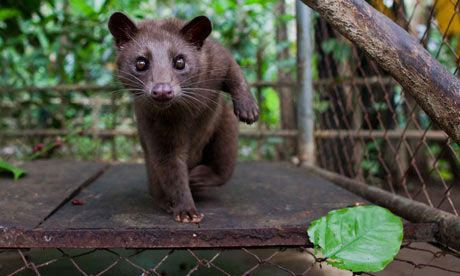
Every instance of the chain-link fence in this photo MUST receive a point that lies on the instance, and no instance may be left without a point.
(369, 128)
(414, 258)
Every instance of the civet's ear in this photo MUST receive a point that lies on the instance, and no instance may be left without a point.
(197, 30)
(122, 28)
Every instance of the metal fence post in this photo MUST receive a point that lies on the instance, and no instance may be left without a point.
(304, 81)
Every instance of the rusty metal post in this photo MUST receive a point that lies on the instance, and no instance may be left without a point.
(306, 142)
(434, 88)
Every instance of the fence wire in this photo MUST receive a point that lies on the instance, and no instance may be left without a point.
(413, 259)
(369, 128)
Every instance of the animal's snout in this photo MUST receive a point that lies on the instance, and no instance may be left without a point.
(162, 92)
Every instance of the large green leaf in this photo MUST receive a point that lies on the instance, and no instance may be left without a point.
(362, 238)
(17, 172)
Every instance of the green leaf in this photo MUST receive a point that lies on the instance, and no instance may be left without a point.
(81, 6)
(8, 13)
(270, 106)
(286, 17)
(17, 172)
(362, 238)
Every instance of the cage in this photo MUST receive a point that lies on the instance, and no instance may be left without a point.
(372, 116)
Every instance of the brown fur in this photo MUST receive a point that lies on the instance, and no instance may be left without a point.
(191, 141)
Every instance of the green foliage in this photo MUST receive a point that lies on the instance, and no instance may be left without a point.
(371, 164)
(340, 49)
(437, 47)
(441, 169)
(8, 13)
(52, 42)
(362, 238)
(269, 149)
(270, 107)
(8, 168)
(319, 105)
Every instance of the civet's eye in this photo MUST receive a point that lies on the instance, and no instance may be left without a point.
(179, 63)
(142, 64)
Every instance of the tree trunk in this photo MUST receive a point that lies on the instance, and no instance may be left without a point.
(286, 94)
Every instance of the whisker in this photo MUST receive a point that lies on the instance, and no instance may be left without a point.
(202, 96)
(204, 89)
(200, 105)
(131, 37)
(130, 74)
(121, 90)
(193, 89)
(128, 78)
(206, 80)
(183, 102)
(131, 82)
(221, 68)
(200, 72)
(187, 96)
(204, 104)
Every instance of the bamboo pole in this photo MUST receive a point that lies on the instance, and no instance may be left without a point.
(417, 212)
(434, 135)
(391, 134)
(434, 88)
(106, 88)
(107, 133)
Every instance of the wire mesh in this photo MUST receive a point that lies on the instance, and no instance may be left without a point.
(420, 258)
(369, 128)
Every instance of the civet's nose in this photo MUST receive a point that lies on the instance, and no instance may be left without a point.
(162, 92)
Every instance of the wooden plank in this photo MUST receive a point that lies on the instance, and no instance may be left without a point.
(48, 183)
(260, 194)
(263, 204)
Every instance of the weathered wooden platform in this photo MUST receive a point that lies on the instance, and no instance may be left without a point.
(264, 204)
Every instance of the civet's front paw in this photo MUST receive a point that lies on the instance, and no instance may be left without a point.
(187, 214)
(246, 110)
